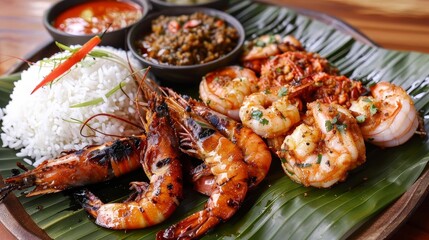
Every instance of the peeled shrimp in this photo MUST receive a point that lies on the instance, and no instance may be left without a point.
(89, 165)
(320, 151)
(269, 113)
(257, 51)
(388, 117)
(225, 161)
(255, 152)
(225, 89)
(153, 202)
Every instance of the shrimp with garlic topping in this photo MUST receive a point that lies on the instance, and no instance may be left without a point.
(270, 113)
(225, 89)
(324, 148)
(388, 117)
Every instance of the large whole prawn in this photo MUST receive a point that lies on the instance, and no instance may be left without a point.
(153, 202)
(225, 161)
(89, 165)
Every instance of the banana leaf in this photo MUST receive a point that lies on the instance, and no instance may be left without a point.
(278, 208)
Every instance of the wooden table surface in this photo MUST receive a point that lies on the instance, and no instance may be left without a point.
(393, 24)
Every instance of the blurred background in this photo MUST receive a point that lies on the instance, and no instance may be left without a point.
(393, 24)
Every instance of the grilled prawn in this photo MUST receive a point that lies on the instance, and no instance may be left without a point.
(225, 161)
(256, 153)
(91, 164)
(153, 202)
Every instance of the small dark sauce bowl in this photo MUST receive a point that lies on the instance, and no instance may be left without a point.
(218, 4)
(187, 73)
(116, 38)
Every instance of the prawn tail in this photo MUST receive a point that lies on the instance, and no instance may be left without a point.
(203, 179)
(191, 227)
(4, 191)
(89, 201)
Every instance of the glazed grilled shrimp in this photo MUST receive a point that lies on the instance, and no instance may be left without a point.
(388, 117)
(153, 202)
(224, 89)
(321, 150)
(333, 89)
(225, 161)
(257, 51)
(291, 67)
(91, 164)
(270, 113)
(255, 152)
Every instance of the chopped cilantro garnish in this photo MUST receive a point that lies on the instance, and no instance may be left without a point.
(282, 92)
(373, 109)
(257, 114)
(260, 43)
(361, 118)
(341, 127)
(264, 121)
(328, 125)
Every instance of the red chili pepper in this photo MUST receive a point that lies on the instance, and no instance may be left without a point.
(70, 62)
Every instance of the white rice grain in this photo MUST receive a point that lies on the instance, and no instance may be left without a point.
(42, 125)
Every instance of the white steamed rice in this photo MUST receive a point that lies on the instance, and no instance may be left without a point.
(42, 125)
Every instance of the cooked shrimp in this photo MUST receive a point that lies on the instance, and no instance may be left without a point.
(255, 152)
(320, 151)
(388, 117)
(257, 51)
(224, 90)
(91, 164)
(291, 67)
(153, 202)
(334, 89)
(269, 113)
(225, 161)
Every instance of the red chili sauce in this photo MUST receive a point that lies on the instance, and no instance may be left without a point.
(96, 16)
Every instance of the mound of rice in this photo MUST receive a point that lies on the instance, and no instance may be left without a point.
(43, 124)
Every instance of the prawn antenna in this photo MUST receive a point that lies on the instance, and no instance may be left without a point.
(4, 191)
